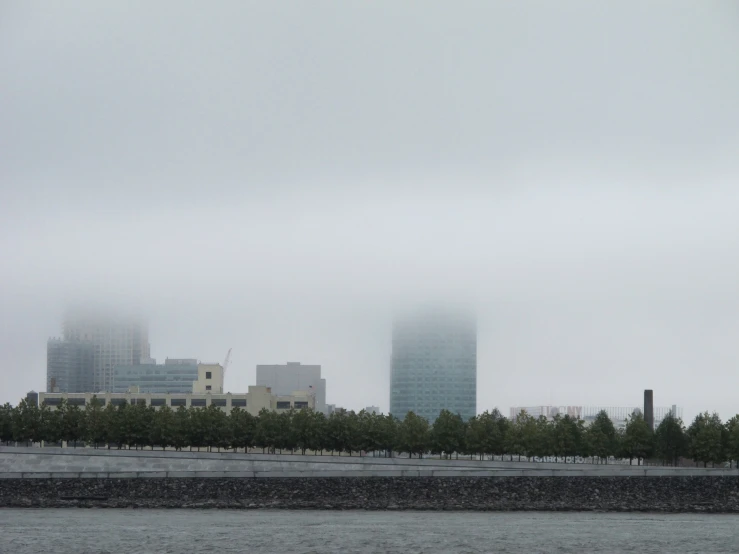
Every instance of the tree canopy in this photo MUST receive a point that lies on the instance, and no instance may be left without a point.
(707, 440)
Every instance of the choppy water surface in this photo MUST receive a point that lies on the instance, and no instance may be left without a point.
(80, 531)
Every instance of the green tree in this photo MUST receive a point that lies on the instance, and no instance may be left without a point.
(243, 429)
(181, 428)
(486, 434)
(705, 439)
(268, 430)
(317, 437)
(514, 439)
(52, 422)
(529, 433)
(306, 429)
(388, 434)
(732, 446)
(73, 426)
(601, 437)
(369, 431)
(113, 424)
(670, 440)
(6, 423)
(354, 440)
(27, 423)
(567, 436)
(475, 436)
(137, 421)
(413, 435)
(337, 432)
(95, 431)
(286, 437)
(198, 428)
(447, 434)
(163, 428)
(217, 429)
(499, 430)
(638, 438)
(544, 443)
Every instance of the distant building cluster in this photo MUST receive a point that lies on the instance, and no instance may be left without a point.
(433, 367)
(619, 415)
(253, 401)
(108, 357)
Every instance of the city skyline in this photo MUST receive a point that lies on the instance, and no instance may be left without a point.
(109, 316)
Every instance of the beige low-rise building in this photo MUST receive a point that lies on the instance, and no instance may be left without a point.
(254, 401)
(210, 379)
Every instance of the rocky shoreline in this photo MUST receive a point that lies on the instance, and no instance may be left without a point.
(616, 494)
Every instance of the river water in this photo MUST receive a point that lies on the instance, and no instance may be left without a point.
(81, 531)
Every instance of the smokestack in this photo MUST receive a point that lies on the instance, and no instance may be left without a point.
(649, 408)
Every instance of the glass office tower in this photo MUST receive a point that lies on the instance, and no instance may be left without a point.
(434, 364)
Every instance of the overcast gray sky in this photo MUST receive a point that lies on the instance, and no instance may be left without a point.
(277, 177)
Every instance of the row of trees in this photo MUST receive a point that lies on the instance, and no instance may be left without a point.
(707, 440)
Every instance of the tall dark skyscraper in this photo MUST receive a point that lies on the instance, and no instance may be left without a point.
(434, 364)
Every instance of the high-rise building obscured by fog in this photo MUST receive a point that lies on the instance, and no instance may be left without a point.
(115, 341)
(69, 366)
(434, 364)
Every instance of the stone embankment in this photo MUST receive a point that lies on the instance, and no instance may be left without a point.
(32, 477)
(656, 494)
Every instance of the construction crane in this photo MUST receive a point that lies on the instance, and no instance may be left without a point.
(226, 362)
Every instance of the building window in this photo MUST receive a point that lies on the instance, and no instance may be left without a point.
(238, 402)
(178, 402)
(283, 405)
(207, 387)
(52, 401)
(208, 374)
(158, 402)
(118, 401)
(76, 401)
(220, 402)
(300, 405)
(199, 402)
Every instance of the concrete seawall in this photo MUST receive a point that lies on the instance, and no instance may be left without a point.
(90, 463)
(50, 477)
